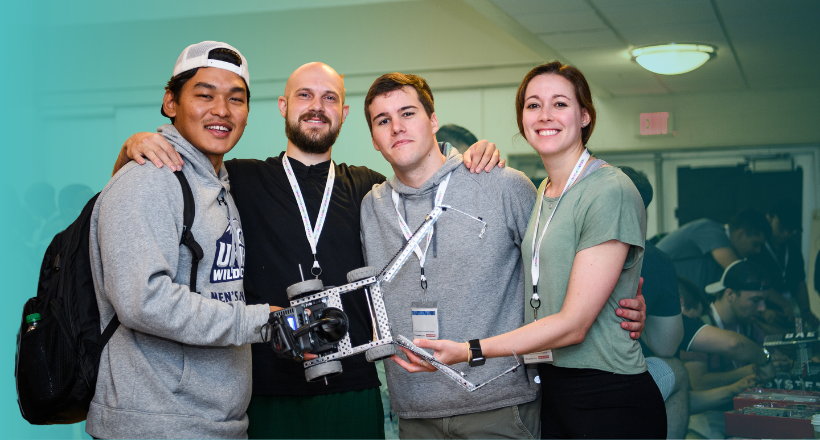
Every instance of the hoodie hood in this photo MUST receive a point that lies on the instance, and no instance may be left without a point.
(204, 170)
(454, 160)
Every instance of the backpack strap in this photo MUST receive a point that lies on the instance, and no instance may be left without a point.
(109, 331)
(188, 214)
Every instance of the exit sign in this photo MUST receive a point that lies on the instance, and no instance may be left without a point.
(654, 123)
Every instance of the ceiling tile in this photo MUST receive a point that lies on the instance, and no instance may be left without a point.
(768, 8)
(631, 14)
(582, 40)
(561, 22)
(525, 7)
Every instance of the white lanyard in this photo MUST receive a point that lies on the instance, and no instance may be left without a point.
(312, 233)
(774, 256)
(536, 245)
(442, 188)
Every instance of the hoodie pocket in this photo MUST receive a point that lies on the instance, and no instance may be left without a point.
(186, 372)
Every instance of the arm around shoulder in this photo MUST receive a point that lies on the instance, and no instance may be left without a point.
(151, 146)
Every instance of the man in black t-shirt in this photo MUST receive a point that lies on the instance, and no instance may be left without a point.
(782, 258)
(284, 404)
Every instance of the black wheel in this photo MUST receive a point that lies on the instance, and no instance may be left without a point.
(361, 273)
(304, 287)
(321, 371)
(380, 352)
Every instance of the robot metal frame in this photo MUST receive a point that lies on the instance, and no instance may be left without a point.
(311, 293)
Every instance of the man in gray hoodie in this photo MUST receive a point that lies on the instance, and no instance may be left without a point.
(179, 365)
(476, 300)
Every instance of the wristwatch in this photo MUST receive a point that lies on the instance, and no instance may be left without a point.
(476, 356)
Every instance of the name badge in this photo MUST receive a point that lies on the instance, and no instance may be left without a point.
(538, 357)
(425, 319)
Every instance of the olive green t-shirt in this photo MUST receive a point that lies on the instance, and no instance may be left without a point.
(602, 206)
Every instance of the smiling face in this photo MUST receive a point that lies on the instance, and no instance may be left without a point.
(211, 111)
(401, 129)
(552, 116)
(313, 107)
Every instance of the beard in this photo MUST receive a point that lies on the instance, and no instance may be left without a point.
(311, 141)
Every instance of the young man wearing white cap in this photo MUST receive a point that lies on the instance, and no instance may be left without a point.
(179, 364)
(740, 295)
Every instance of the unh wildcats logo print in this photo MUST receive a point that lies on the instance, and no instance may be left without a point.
(222, 271)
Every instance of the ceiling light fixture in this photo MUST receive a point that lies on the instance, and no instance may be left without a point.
(673, 59)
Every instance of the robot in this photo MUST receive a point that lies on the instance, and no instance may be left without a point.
(316, 321)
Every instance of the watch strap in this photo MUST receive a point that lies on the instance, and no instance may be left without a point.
(476, 356)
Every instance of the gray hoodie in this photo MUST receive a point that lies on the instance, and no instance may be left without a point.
(477, 282)
(180, 364)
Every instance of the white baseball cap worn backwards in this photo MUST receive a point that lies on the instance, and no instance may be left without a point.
(196, 55)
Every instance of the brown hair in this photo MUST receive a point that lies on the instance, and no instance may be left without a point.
(391, 82)
(571, 74)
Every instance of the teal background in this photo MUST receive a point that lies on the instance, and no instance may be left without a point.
(73, 94)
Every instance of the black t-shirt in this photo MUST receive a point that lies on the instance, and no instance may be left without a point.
(786, 268)
(817, 272)
(691, 327)
(660, 286)
(275, 244)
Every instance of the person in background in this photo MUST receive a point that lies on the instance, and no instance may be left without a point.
(582, 253)
(740, 295)
(701, 339)
(663, 331)
(457, 136)
(782, 258)
(703, 248)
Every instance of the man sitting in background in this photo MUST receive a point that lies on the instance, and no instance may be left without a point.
(703, 248)
(740, 296)
(700, 339)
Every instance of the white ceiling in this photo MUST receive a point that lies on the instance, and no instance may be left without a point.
(761, 44)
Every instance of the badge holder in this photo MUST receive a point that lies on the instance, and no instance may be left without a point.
(425, 319)
(538, 357)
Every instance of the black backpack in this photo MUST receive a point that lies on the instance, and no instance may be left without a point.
(56, 363)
